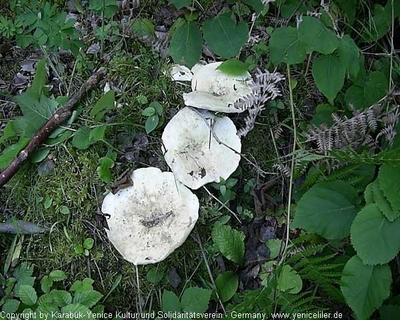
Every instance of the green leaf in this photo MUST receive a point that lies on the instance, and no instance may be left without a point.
(97, 134)
(186, 44)
(104, 104)
(257, 5)
(151, 123)
(57, 275)
(349, 55)
(155, 275)
(81, 138)
(87, 298)
(289, 281)
(367, 93)
(36, 111)
(143, 27)
(227, 284)
(10, 306)
(224, 36)
(327, 209)
(180, 3)
(46, 283)
(195, 299)
(389, 312)
(329, 74)
(170, 302)
(61, 297)
(39, 81)
(77, 309)
(274, 246)
(64, 210)
(233, 67)
(10, 152)
(382, 203)
(229, 242)
(27, 294)
(317, 37)
(389, 182)
(103, 170)
(323, 115)
(376, 239)
(377, 26)
(148, 112)
(88, 243)
(157, 107)
(285, 46)
(365, 287)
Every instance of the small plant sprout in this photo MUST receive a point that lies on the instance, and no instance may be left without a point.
(216, 90)
(151, 218)
(201, 147)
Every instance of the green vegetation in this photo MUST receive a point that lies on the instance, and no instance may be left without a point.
(308, 222)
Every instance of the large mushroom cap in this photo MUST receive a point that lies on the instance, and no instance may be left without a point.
(192, 152)
(215, 90)
(152, 218)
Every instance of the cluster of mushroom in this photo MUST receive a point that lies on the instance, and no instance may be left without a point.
(154, 216)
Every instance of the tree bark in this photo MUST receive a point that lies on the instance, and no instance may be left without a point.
(56, 119)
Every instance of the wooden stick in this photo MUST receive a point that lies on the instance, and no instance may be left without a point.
(56, 119)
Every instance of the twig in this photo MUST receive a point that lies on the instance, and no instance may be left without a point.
(56, 119)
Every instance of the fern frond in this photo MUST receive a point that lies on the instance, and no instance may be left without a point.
(299, 303)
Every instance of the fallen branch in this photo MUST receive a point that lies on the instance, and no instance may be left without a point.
(56, 119)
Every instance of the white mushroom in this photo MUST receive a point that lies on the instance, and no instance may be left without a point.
(215, 90)
(181, 73)
(151, 218)
(193, 153)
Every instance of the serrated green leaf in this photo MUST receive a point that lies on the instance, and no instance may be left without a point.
(317, 37)
(81, 138)
(104, 104)
(285, 46)
(349, 55)
(365, 287)
(327, 209)
(87, 298)
(376, 239)
(195, 299)
(382, 203)
(179, 4)
(61, 298)
(389, 182)
(224, 36)
(170, 302)
(10, 306)
(36, 111)
(46, 283)
(233, 67)
(289, 281)
(227, 284)
(81, 311)
(186, 44)
(229, 242)
(57, 275)
(329, 74)
(151, 123)
(27, 294)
